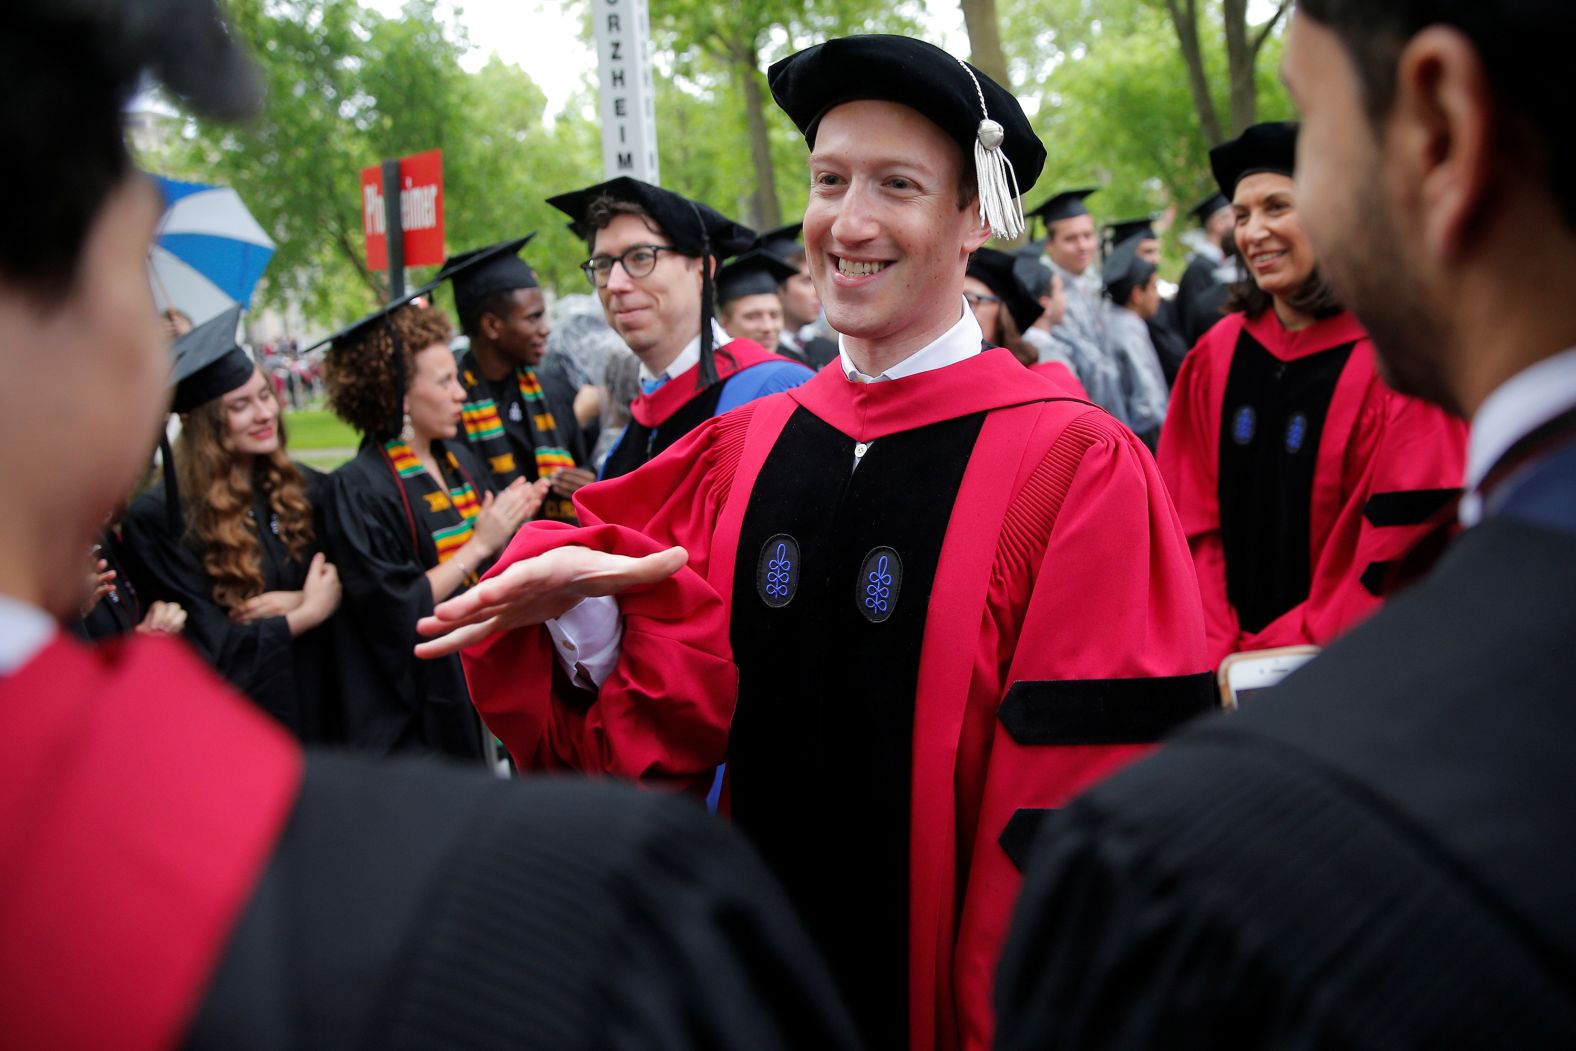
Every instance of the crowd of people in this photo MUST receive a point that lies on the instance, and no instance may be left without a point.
(910, 559)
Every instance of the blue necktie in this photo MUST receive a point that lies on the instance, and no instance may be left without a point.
(650, 386)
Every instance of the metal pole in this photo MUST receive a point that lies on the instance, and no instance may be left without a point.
(394, 230)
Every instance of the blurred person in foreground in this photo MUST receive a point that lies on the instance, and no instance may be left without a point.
(1377, 854)
(1301, 478)
(178, 872)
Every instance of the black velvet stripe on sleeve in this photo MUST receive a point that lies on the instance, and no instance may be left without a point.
(1406, 507)
(1103, 711)
(1019, 835)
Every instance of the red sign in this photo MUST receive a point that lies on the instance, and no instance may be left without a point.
(420, 211)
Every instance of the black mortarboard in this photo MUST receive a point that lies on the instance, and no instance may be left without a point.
(981, 116)
(783, 241)
(1125, 271)
(995, 269)
(1262, 148)
(1064, 205)
(209, 362)
(691, 227)
(1033, 275)
(354, 330)
(477, 274)
(1208, 207)
(1122, 229)
(756, 272)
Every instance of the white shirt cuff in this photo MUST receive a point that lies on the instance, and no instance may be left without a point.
(587, 639)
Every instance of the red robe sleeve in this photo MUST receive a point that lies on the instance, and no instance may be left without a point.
(1189, 461)
(663, 713)
(1404, 463)
(1092, 581)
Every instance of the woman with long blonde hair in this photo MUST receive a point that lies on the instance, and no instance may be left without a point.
(238, 545)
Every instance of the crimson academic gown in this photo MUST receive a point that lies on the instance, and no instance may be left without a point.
(174, 872)
(1062, 636)
(745, 371)
(1301, 479)
(1063, 376)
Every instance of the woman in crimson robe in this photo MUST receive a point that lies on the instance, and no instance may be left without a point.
(1301, 479)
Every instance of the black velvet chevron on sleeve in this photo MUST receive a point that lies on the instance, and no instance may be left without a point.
(1103, 711)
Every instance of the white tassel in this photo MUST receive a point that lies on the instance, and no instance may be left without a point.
(1000, 208)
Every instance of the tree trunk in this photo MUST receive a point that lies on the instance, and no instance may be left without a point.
(767, 212)
(979, 18)
(1185, 21)
(1240, 62)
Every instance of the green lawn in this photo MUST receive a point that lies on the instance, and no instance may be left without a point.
(320, 439)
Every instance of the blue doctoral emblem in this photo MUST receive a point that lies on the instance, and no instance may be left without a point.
(777, 571)
(1296, 432)
(880, 578)
(1243, 424)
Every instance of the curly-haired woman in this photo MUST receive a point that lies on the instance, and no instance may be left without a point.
(414, 520)
(238, 548)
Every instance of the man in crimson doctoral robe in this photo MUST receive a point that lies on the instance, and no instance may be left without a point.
(174, 870)
(653, 254)
(915, 603)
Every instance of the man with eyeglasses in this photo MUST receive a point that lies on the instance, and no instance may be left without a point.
(916, 602)
(653, 253)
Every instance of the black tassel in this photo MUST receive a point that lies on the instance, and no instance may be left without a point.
(172, 494)
(707, 373)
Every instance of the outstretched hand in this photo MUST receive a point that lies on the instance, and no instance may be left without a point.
(538, 589)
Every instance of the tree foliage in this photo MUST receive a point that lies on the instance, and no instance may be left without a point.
(1105, 80)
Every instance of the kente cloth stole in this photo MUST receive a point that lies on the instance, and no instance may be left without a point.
(448, 514)
(484, 427)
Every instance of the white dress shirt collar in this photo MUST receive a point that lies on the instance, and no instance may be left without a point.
(688, 358)
(959, 343)
(24, 630)
(1520, 405)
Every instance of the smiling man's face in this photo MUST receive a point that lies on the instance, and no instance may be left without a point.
(884, 237)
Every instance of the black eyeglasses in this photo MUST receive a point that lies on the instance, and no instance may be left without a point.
(637, 261)
(975, 299)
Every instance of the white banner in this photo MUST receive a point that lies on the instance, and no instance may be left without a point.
(629, 121)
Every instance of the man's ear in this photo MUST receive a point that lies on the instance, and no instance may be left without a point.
(978, 232)
(491, 326)
(1443, 134)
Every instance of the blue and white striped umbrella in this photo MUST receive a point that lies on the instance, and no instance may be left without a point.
(209, 252)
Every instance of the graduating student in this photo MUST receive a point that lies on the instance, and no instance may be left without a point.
(513, 425)
(1300, 477)
(1057, 357)
(237, 543)
(748, 299)
(1211, 268)
(1132, 299)
(920, 600)
(1376, 855)
(653, 254)
(415, 516)
(178, 871)
(1163, 326)
(801, 337)
(1072, 248)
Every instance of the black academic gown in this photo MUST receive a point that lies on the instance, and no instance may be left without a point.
(1376, 854)
(401, 703)
(293, 679)
(1200, 300)
(1165, 332)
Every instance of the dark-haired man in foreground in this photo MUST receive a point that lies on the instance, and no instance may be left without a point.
(946, 594)
(1377, 854)
(176, 871)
